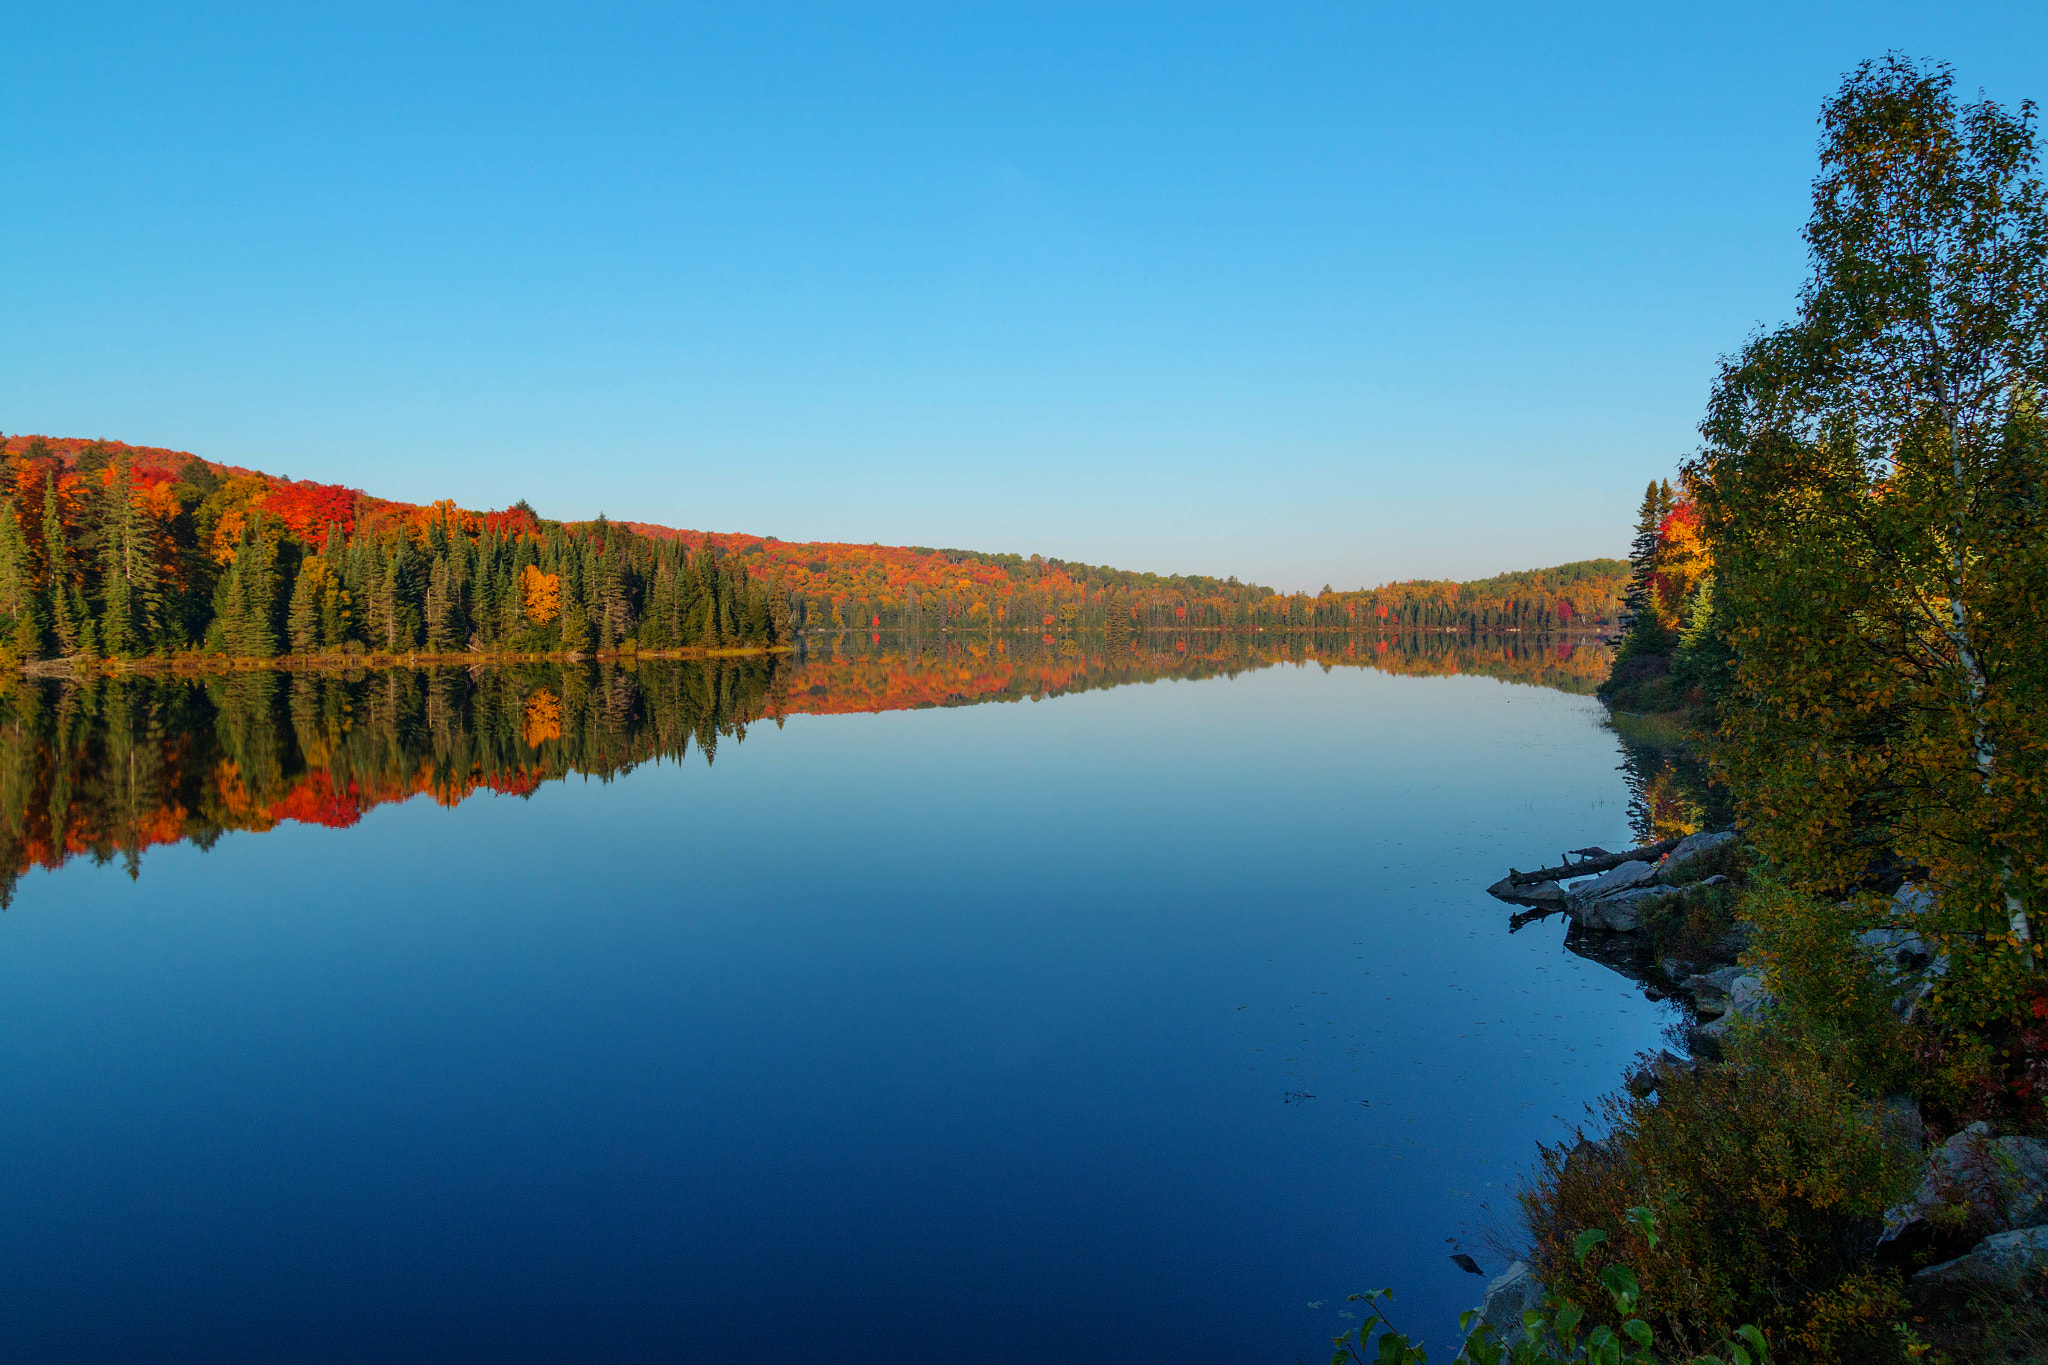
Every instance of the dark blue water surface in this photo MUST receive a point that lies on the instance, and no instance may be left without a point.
(1139, 1023)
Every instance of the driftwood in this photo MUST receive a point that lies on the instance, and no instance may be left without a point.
(1579, 869)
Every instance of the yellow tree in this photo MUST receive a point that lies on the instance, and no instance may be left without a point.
(542, 594)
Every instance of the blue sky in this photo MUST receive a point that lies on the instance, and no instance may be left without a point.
(1306, 293)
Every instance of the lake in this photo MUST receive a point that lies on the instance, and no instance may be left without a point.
(1017, 1000)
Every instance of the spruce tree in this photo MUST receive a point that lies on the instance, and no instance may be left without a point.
(131, 598)
(63, 593)
(302, 618)
(18, 604)
(252, 633)
(1648, 633)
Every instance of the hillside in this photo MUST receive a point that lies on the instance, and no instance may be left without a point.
(840, 586)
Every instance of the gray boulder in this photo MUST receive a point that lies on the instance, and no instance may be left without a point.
(2003, 1258)
(1619, 912)
(1709, 990)
(1900, 1118)
(1733, 944)
(1747, 1000)
(1617, 879)
(1679, 864)
(1974, 1183)
(1899, 946)
(1538, 895)
(1514, 1293)
(1654, 1074)
(1912, 899)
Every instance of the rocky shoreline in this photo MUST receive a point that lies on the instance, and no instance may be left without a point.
(1980, 1212)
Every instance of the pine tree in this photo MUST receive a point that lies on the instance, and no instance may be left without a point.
(19, 615)
(63, 593)
(131, 599)
(302, 618)
(251, 632)
(575, 619)
(1648, 633)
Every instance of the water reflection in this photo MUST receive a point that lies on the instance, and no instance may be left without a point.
(108, 768)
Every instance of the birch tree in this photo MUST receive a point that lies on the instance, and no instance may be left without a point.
(1873, 484)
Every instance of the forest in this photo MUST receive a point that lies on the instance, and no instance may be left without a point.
(113, 551)
(109, 551)
(919, 589)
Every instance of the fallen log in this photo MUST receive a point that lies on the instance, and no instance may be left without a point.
(1647, 854)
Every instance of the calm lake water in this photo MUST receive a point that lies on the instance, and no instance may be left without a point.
(1142, 1017)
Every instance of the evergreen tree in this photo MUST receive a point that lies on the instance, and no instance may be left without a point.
(65, 604)
(19, 613)
(302, 618)
(1648, 632)
(132, 603)
(575, 620)
(247, 617)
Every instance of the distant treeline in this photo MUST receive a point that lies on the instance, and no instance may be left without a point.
(130, 551)
(112, 552)
(917, 590)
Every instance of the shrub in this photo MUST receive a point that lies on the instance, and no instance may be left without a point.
(1834, 995)
(1769, 1177)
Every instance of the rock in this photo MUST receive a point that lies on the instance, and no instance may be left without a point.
(1677, 969)
(1514, 1293)
(1618, 879)
(1915, 966)
(1974, 1184)
(1747, 1000)
(1654, 1074)
(1900, 1118)
(2003, 1258)
(1899, 946)
(1541, 895)
(1709, 990)
(1619, 912)
(1732, 944)
(1691, 851)
(1911, 900)
(1718, 982)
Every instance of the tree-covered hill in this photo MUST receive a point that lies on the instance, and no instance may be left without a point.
(114, 549)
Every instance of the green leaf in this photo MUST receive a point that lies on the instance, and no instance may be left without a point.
(1621, 1282)
(1586, 1241)
(1567, 1317)
(1638, 1331)
(1645, 1219)
(1755, 1338)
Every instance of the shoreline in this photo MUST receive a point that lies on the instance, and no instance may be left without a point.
(201, 664)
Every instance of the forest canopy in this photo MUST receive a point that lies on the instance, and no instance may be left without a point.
(129, 551)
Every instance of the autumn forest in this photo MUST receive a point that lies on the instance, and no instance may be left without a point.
(110, 551)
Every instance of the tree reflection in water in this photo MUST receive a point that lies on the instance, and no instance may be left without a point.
(107, 768)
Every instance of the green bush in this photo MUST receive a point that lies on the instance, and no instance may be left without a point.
(1768, 1174)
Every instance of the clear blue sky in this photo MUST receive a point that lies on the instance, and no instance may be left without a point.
(1307, 293)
